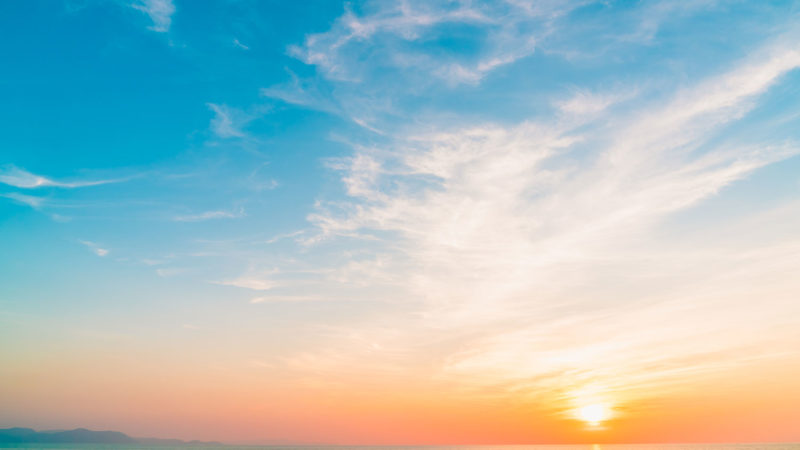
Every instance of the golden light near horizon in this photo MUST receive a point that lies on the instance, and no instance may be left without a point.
(593, 414)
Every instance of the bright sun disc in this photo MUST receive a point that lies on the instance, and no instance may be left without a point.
(593, 414)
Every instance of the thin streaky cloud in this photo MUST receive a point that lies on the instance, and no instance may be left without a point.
(303, 92)
(391, 38)
(95, 248)
(280, 237)
(286, 299)
(159, 11)
(210, 215)
(392, 24)
(585, 103)
(256, 283)
(227, 121)
(20, 178)
(171, 271)
(30, 200)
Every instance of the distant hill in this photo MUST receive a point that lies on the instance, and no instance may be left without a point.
(82, 436)
(76, 436)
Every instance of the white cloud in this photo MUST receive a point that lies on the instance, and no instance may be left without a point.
(490, 233)
(228, 122)
(399, 38)
(284, 299)
(152, 262)
(268, 185)
(170, 271)
(304, 93)
(240, 45)
(413, 44)
(14, 176)
(389, 26)
(279, 237)
(30, 200)
(210, 215)
(96, 248)
(160, 12)
(256, 283)
(584, 103)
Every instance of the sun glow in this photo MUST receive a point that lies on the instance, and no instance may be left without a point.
(594, 414)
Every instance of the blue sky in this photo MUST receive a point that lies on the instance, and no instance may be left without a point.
(311, 181)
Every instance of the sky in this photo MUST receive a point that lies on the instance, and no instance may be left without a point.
(401, 222)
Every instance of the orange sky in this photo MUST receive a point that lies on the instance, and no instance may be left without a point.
(144, 397)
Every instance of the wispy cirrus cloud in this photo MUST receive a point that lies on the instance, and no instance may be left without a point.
(505, 236)
(30, 200)
(228, 122)
(423, 47)
(95, 248)
(159, 11)
(256, 282)
(583, 103)
(285, 299)
(171, 271)
(210, 215)
(413, 43)
(303, 93)
(20, 178)
(508, 30)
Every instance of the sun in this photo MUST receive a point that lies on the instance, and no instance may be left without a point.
(594, 414)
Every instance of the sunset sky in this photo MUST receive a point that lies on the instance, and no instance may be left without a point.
(401, 222)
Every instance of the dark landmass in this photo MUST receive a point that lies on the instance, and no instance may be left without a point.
(83, 436)
(77, 436)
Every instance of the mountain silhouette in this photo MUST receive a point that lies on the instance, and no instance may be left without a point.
(81, 436)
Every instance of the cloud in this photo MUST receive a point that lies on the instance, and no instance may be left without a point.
(14, 176)
(439, 174)
(160, 12)
(152, 262)
(256, 283)
(96, 248)
(285, 299)
(267, 186)
(369, 62)
(282, 236)
(395, 27)
(500, 239)
(588, 103)
(374, 61)
(228, 122)
(240, 45)
(303, 92)
(210, 215)
(170, 271)
(651, 16)
(30, 200)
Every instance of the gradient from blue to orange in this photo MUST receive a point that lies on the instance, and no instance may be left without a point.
(417, 222)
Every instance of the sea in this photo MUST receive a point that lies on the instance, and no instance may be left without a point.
(750, 446)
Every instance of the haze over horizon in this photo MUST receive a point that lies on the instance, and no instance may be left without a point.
(402, 222)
